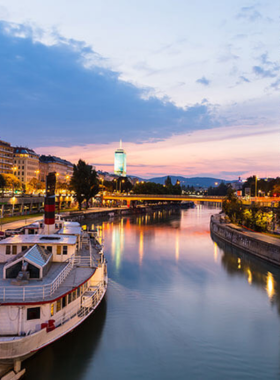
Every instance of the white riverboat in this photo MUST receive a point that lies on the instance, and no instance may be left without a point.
(51, 280)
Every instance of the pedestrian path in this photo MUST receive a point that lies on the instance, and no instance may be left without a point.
(256, 235)
(19, 223)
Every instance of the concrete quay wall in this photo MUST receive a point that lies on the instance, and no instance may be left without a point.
(239, 239)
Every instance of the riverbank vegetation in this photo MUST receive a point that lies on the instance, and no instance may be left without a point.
(254, 217)
(84, 183)
(157, 188)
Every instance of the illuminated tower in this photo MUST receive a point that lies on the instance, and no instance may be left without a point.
(120, 161)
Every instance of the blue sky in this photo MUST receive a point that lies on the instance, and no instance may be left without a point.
(88, 74)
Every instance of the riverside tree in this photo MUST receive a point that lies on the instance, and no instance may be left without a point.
(12, 182)
(84, 182)
(2, 183)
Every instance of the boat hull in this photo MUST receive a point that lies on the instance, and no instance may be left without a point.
(21, 348)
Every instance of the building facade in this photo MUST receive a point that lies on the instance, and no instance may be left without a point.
(120, 162)
(6, 157)
(49, 164)
(26, 164)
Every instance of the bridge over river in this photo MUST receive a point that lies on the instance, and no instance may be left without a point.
(269, 201)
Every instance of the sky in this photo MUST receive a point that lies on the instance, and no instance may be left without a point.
(191, 88)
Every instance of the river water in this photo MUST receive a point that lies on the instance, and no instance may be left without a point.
(179, 306)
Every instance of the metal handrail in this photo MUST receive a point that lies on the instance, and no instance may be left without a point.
(80, 310)
(42, 291)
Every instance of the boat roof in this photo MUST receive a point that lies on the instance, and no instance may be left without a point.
(70, 230)
(36, 254)
(72, 224)
(40, 239)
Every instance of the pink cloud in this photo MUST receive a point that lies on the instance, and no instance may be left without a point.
(244, 149)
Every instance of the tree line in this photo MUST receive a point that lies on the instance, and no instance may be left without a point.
(254, 217)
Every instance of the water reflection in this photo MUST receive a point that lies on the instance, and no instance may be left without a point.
(180, 306)
(270, 285)
(69, 357)
(257, 272)
(177, 246)
(142, 226)
(141, 246)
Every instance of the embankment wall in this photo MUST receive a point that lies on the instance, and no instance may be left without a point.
(257, 247)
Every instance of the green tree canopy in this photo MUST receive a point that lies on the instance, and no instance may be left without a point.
(34, 184)
(84, 182)
(12, 182)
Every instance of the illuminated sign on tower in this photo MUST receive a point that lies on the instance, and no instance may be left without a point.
(120, 162)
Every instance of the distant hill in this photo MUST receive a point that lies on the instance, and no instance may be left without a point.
(194, 181)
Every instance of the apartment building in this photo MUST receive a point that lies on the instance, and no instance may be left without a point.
(26, 164)
(6, 157)
(63, 168)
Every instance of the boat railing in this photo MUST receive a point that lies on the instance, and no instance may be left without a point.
(83, 308)
(41, 292)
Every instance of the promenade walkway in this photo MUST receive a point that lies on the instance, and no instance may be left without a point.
(23, 222)
(256, 235)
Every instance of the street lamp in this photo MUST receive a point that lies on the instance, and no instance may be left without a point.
(123, 181)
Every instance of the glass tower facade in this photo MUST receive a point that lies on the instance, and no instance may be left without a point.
(120, 162)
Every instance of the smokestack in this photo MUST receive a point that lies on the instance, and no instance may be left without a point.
(50, 204)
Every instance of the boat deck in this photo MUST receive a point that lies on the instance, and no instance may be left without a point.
(55, 269)
(60, 279)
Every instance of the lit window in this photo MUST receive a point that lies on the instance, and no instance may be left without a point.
(52, 309)
(58, 305)
(58, 249)
(14, 249)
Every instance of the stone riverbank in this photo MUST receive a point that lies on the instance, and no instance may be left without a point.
(263, 246)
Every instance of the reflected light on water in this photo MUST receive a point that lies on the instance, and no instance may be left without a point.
(141, 247)
(215, 252)
(270, 288)
(177, 246)
(239, 263)
(250, 278)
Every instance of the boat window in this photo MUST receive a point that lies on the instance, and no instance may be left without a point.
(49, 248)
(52, 309)
(8, 249)
(14, 249)
(78, 292)
(33, 313)
(24, 247)
(58, 305)
(69, 298)
(65, 249)
(64, 301)
(58, 250)
(74, 295)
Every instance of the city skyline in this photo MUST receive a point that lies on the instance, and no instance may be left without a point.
(192, 93)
